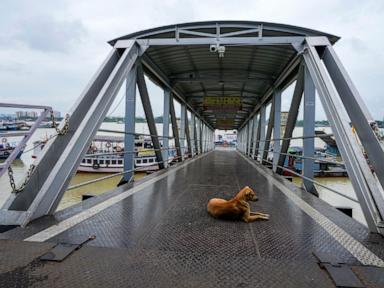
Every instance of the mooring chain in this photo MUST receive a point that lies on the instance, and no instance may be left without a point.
(64, 130)
(12, 179)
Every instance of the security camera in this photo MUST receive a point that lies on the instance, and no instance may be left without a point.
(221, 50)
(213, 48)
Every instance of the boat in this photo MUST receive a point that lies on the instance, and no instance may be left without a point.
(6, 148)
(98, 159)
(325, 164)
(12, 125)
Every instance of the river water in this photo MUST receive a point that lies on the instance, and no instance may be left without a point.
(20, 166)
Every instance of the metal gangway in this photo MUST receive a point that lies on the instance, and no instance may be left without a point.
(225, 75)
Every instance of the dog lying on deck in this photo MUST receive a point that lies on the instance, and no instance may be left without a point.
(237, 208)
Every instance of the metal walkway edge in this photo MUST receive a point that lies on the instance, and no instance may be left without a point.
(159, 234)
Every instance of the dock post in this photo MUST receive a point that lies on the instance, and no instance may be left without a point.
(309, 131)
(167, 96)
(130, 114)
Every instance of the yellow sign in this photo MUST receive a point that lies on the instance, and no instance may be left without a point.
(225, 122)
(221, 101)
(146, 152)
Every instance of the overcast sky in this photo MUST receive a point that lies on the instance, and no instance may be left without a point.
(49, 50)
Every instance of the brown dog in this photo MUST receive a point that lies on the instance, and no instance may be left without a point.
(237, 208)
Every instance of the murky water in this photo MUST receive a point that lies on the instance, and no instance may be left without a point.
(71, 197)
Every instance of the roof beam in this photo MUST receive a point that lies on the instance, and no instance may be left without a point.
(288, 73)
(227, 73)
(160, 76)
(207, 91)
(219, 80)
(285, 40)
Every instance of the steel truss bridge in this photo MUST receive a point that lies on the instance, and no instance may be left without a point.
(201, 65)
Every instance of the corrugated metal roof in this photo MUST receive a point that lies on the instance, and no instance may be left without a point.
(245, 71)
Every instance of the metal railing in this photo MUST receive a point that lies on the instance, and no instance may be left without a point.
(259, 151)
(173, 158)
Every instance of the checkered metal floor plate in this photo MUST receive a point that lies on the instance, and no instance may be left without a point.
(162, 236)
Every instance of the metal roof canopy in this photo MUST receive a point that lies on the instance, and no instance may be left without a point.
(258, 57)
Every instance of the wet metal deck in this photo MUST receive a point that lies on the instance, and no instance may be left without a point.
(158, 234)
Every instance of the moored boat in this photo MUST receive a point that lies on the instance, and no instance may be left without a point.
(106, 155)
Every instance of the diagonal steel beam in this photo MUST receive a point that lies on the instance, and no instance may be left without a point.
(166, 107)
(46, 188)
(149, 114)
(357, 111)
(188, 135)
(269, 132)
(175, 130)
(363, 181)
(292, 117)
(161, 77)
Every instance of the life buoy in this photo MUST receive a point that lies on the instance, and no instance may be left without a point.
(4, 140)
(108, 144)
(96, 165)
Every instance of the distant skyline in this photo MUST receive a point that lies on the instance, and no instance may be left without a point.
(49, 50)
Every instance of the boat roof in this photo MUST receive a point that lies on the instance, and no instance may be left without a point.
(108, 138)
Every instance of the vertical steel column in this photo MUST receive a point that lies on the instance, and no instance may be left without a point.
(250, 134)
(149, 115)
(276, 128)
(175, 130)
(255, 135)
(183, 115)
(245, 131)
(204, 138)
(292, 117)
(188, 135)
(167, 97)
(262, 132)
(130, 114)
(309, 131)
(192, 135)
(195, 135)
(258, 136)
(241, 140)
(201, 135)
(269, 133)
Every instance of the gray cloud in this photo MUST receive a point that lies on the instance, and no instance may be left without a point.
(51, 35)
(50, 49)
